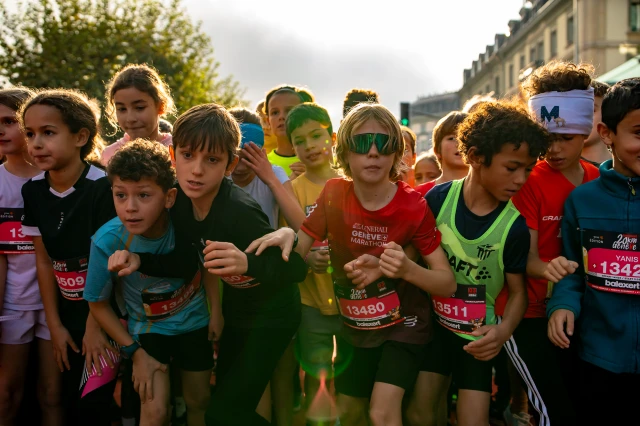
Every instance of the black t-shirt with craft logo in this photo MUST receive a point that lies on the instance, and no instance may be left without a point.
(67, 221)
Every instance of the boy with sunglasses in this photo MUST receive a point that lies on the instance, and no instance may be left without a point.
(368, 217)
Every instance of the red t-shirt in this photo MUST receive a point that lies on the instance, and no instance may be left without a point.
(541, 202)
(425, 187)
(353, 231)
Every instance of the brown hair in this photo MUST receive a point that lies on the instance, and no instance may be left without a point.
(141, 159)
(78, 112)
(495, 124)
(305, 95)
(143, 78)
(412, 137)
(14, 97)
(356, 118)
(428, 156)
(207, 127)
(557, 76)
(244, 115)
(599, 88)
(358, 96)
(447, 125)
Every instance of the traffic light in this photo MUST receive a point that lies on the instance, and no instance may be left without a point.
(404, 113)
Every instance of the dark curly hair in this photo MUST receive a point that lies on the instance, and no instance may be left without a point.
(78, 112)
(557, 76)
(494, 124)
(141, 159)
(358, 96)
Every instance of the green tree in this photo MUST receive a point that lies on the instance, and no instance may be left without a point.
(82, 43)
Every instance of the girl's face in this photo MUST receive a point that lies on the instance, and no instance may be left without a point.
(12, 139)
(50, 142)
(449, 153)
(370, 168)
(279, 106)
(426, 171)
(138, 114)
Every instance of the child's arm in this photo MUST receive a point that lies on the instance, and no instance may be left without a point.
(3, 278)
(565, 304)
(437, 280)
(60, 336)
(280, 186)
(144, 365)
(554, 270)
(216, 320)
(494, 336)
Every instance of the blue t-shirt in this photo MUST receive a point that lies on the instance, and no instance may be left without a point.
(166, 306)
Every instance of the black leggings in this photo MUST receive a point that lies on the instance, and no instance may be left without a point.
(544, 369)
(95, 408)
(246, 362)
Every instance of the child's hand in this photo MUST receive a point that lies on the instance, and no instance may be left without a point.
(318, 261)
(363, 271)
(297, 169)
(559, 268)
(555, 327)
(256, 159)
(144, 368)
(224, 259)
(123, 262)
(94, 346)
(60, 338)
(487, 347)
(283, 238)
(393, 262)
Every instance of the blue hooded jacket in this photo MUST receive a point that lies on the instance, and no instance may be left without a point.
(604, 211)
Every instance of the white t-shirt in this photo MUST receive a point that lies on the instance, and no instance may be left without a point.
(263, 195)
(111, 150)
(21, 289)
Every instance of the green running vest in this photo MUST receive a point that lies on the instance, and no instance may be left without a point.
(477, 266)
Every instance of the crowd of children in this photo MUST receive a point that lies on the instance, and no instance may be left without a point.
(265, 244)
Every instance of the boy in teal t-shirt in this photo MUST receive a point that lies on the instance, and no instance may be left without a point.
(168, 317)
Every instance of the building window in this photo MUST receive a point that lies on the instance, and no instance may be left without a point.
(532, 54)
(554, 44)
(510, 75)
(540, 56)
(634, 15)
(569, 30)
(488, 89)
(523, 62)
(497, 85)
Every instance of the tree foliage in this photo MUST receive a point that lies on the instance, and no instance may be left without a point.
(82, 43)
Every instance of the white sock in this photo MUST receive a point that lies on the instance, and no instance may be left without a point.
(181, 407)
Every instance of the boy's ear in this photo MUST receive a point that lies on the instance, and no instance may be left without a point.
(170, 198)
(162, 108)
(334, 137)
(605, 134)
(232, 165)
(172, 153)
(473, 158)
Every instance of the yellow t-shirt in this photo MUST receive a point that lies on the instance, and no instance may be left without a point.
(270, 142)
(284, 162)
(317, 289)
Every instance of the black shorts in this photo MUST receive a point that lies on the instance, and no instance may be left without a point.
(358, 369)
(191, 351)
(445, 356)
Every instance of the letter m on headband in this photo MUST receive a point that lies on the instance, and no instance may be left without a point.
(545, 115)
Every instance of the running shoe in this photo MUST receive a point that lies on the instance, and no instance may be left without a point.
(520, 419)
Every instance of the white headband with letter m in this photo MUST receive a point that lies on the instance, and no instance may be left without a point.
(564, 112)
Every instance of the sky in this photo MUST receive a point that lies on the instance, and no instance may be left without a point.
(403, 49)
